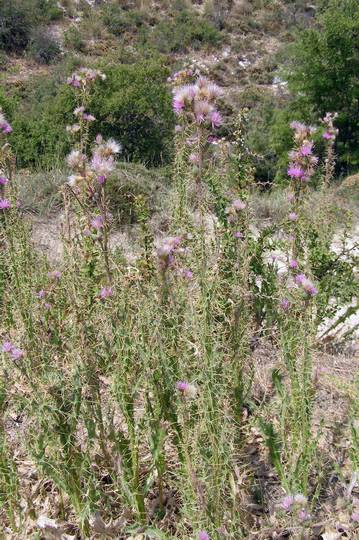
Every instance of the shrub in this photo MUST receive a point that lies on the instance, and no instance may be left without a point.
(324, 72)
(185, 30)
(15, 26)
(73, 39)
(43, 47)
(134, 107)
(118, 20)
(19, 17)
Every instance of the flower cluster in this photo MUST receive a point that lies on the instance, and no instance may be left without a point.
(289, 501)
(306, 284)
(14, 352)
(197, 102)
(187, 389)
(5, 127)
(106, 292)
(84, 77)
(235, 209)
(100, 166)
(302, 161)
(330, 132)
(167, 251)
(5, 204)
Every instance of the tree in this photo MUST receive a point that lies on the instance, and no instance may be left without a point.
(324, 72)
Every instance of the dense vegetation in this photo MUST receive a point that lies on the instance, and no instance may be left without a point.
(183, 385)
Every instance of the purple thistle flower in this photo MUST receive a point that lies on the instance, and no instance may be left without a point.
(293, 216)
(203, 535)
(291, 197)
(41, 294)
(97, 222)
(306, 149)
(355, 517)
(7, 347)
(216, 119)
(5, 127)
(47, 306)
(304, 515)
(56, 274)
(178, 104)
(16, 353)
(285, 304)
(238, 234)
(328, 136)
(101, 179)
(106, 292)
(5, 204)
(193, 158)
(287, 502)
(3, 181)
(182, 386)
(293, 264)
(299, 279)
(178, 129)
(295, 171)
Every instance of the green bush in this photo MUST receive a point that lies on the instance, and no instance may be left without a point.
(43, 47)
(18, 18)
(324, 73)
(133, 105)
(118, 20)
(15, 26)
(186, 30)
(73, 39)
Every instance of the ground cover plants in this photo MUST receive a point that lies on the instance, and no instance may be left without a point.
(129, 389)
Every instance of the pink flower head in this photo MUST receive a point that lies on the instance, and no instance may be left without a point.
(41, 294)
(47, 306)
(106, 292)
(16, 353)
(309, 287)
(355, 517)
(304, 515)
(102, 165)
(299, 279)
(216, 119)
(291, 197)
(7, 347)
(306, 149)
(56, 274)
(328, 136)
(193, 158)
(97, 222)
(5, 204)
(188, 274)
(3, 181)
(5, 127)
(293, 216)
(101, 179)
(295, 171)
(203, 535)
(178, 104)
(88, 117)
(293, 264)
(287, 502)
(238, 205)
(178, 129)
(285, 304)
(238, 234)
(182, 386)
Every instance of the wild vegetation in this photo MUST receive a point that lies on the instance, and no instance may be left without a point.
(185, 387)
